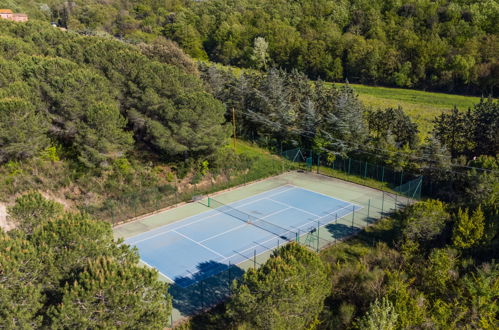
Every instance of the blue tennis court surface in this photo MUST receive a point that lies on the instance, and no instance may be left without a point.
(200, 246)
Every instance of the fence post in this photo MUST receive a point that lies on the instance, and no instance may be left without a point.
(353, 215)
(396, 202)
(365, 171)
(382, 203)
(318, 162)
(254, 259)
(368, 208)
(401, 177)
(349, 163)
(382, 174)
(318, 234)
(229, 278)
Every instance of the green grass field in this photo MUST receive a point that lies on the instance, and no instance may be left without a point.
(421, 106)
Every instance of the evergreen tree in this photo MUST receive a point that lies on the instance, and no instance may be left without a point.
(32, 210)
(468, 231)
(112, 294)
(424, 221)
(23, 130)
(380, 316)
(288, 291)
(21, 297)
(454, 131)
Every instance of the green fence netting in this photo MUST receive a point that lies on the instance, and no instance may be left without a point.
(401, 182)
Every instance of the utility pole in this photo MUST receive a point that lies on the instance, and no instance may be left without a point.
(234, 127)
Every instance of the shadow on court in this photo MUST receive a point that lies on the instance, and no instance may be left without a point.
(339, 230)
(213, 287)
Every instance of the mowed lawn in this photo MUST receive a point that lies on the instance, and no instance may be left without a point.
(421, 106)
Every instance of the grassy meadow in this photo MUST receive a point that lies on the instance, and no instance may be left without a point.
(421, 106)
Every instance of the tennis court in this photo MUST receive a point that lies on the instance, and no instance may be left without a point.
(205, 244)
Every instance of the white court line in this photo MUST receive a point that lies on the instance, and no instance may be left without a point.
(296, 208)
(232, 229)
(327, 215)
(215, 213)
(277, 237)
(145, 263)
(318, 193)
(207, 248)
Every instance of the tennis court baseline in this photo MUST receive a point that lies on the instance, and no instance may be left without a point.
(200, 246)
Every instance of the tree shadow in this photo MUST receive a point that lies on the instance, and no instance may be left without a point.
(339, 230)
(205, 289)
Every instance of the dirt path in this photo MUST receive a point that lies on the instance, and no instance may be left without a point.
(4, 224)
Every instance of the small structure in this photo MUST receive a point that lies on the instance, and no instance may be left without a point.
(16, 17)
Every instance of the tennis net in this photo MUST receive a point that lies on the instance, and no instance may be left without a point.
(282, 232)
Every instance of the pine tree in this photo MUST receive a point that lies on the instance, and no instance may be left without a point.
(112, 294)
(32, 209)
(287, 292)
(380, 316)
(468, 231)
(22, 130)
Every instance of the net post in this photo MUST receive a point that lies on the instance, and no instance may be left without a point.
(353, 215)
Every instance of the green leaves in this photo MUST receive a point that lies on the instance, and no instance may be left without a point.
(468, 231)
(92, 95)
(22, 130)
(381, 316)
(32, 210)
(110, 294)
(66, 271)
(288, 291)
(425, 221)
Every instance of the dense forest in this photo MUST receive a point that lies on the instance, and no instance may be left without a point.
(439, 45)
(87, 118)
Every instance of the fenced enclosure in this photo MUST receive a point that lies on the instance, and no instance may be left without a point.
(367, 206)
(401, 182)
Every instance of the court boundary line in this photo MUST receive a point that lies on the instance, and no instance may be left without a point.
(319, 193)
(256, 243)
(167, 277)
(215, 212)
(294, 207)
(245, 224)
(202, 245)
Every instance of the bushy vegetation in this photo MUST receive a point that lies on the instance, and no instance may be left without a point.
(65, 270)
(389, 277)
(98, 98)
(280, 110)
(442, 45)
